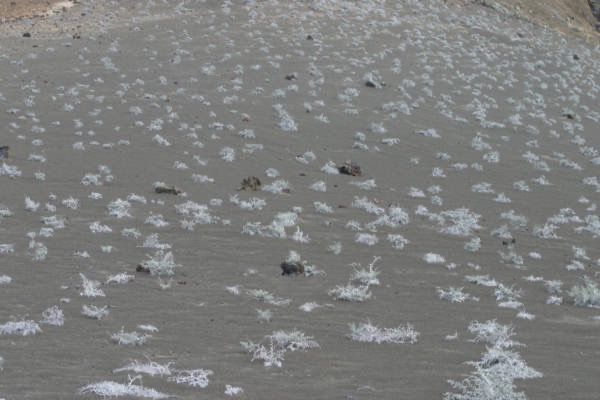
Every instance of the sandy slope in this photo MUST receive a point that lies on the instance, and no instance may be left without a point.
(200, 77)
(13, 10)
(572, 17)
(566, 16)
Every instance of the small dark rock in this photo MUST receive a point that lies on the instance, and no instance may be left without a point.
(27, 35)
(291, 77)
(167, 189)
(289, 268)
(309, 37)
(4, 152)
(350, 168)
(507, 242)
(250, 183)
(568, 116)
(141, 268)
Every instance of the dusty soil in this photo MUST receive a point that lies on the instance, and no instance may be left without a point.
(515, 110)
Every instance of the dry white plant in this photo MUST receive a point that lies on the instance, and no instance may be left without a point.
(553, 286)
(495, 373)
(115, 389)
(94, 312)
(157, 220)
(233, 390)
(129, 338)
(293, 340)
(586, 294)
(152, 241)
(90, 288)
(319, 186)
(493, 333)
(71, 203)
(455, 295)
(278, 343)
(278, 186)
(366, 276)
(192, 377)
(351, 293)
(151, 368)
(123, 277)
(266, 297)
(31, 205)
(119, 208)
(270, 355)
(368, 184)
(22, 328)
(433, 258)
(160, 263)
(335, 248)
(369, 239)
(53, 316)
(460, 222)
(322, 208)
(367, 332)
(98, 227)
(264, 316)
(483, 280)
(131, 232)
(309, 306)
(6, 248)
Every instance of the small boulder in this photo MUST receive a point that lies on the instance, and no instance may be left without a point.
(250, 183)
(170, 189)
(4, 152)
(292, 268)
(350, 168)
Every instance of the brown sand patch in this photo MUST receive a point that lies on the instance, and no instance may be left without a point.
(12, 10)
(571, 17)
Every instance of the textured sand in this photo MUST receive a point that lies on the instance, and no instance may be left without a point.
(78, 80)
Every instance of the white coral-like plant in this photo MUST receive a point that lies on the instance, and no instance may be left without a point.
(160, 263)
(151, 368)
(293, 340)
(53, 316)
(587, 294)
(367, 332)
(454, 295)
(115, 389)
(90, 288)
(129, 338)
(270, 355)
(367, 276)
(278, 343)
(119, 208)
(193, 377)
(23, 328)
(350, 292)
(493, 333)
(266, 297)
(94, 312)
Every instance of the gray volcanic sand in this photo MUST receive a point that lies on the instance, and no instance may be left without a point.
(199, 74)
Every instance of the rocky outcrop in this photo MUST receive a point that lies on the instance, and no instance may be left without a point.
(595, 6)
(578, 17)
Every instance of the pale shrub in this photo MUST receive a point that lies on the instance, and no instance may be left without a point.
(366, 332)
(587, 294)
